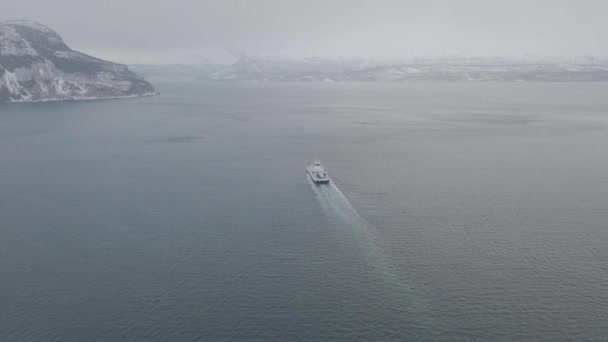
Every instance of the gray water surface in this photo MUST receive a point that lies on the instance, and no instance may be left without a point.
(457, 212)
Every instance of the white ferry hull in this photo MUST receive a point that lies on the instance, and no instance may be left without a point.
(316, 178)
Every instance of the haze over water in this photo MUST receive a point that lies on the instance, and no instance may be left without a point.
(457, 212)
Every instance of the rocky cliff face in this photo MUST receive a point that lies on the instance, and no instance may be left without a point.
(36, 65)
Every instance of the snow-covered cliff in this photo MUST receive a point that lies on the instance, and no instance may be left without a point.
(36, 65)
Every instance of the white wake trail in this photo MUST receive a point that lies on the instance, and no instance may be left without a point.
(336, 206)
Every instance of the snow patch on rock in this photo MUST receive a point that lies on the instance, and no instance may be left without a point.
(35, 65)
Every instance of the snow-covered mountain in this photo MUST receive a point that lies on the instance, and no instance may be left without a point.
(316, 69)
(285, 69)
(36, 65)
(512, 72)
(182, 72)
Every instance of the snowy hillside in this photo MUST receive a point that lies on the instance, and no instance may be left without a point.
(36, 65)
(316, 69)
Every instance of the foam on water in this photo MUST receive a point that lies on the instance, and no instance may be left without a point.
(337, 206)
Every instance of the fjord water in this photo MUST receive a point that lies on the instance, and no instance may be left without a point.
(458, 211)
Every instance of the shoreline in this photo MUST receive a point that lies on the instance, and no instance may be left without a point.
(76, 99)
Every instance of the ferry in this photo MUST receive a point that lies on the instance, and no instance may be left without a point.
(317, 172)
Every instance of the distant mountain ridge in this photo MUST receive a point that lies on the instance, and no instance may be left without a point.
(317, 69)
(36, 65)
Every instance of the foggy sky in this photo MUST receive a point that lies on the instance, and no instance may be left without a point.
(132, 31)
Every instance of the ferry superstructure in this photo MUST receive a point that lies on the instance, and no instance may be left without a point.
(318, 173)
